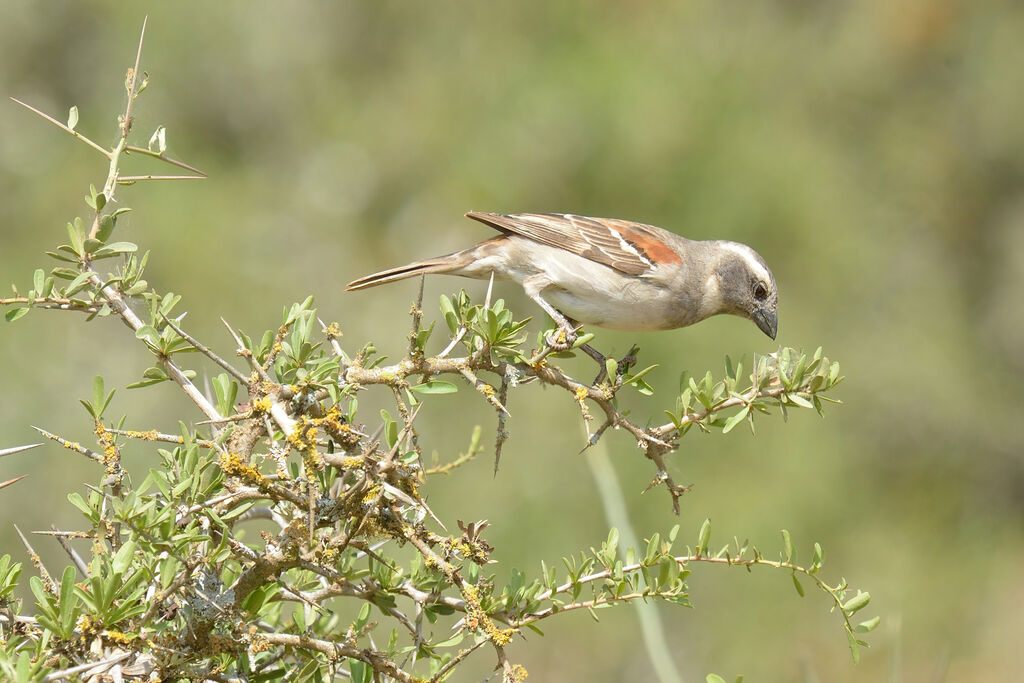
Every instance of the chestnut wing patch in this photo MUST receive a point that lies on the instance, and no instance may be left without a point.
(630, 248)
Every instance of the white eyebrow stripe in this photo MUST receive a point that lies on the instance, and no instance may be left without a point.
(747, 254)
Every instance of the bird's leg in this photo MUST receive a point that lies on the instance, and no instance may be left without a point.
(566, 336)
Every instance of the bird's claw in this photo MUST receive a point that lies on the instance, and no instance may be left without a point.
(561, 339)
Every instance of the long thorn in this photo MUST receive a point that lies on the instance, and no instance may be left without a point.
(163, 157)
(75, 558)
(5, 484)
(131, 179)
(100, 149)
(34, 556)
(490, 288)
(18, 449)
(134, 81)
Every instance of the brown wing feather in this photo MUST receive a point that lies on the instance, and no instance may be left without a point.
(631, 248)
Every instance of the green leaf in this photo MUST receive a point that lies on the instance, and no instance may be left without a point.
(115, 248)
(582, 339)
(363, 618)
(226, 391)
(796, 584)
(630, 379)
(869, 625)
(854, 646)
(65, 273)
(148, 334)
(152, 375)
(787, 546)
(714, 678)
(434, 387)
(799, 400)
(80, 282)
(79, 502)
(61, 257)
(67, 602)
(736, 419)
(107, 222)
(448, 311)
(72, 117)
(653, 548)
(76, 233)
(704, 537)
(818, 558)
(123, 558)
(158, 141)
(97, 392)
(15, 313)
(611, 367)
(857, 602)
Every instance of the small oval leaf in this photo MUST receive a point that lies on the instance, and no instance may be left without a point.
(434, 387)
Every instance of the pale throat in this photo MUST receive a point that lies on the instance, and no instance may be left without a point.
(711, 302)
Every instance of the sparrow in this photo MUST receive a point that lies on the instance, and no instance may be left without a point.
(610, 273)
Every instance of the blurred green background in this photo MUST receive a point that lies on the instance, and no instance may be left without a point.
(871, 151)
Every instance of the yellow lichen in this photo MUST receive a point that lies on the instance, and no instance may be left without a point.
(262, 405)
(235, 466)
(151, 435)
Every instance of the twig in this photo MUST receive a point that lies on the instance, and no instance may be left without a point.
(501, 434)
(53, 303)
(456, 660)
(335, 650)
(205, 350)
(71, 445)
(93, 668)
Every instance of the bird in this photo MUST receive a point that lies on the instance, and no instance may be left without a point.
(610, 273)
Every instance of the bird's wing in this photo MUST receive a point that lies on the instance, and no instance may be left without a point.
(631, 248)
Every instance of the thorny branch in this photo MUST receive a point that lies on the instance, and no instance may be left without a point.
(336, 491)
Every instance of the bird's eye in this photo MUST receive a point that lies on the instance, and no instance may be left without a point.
(760, 291)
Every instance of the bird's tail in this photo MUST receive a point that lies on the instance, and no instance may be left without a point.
(441, 264)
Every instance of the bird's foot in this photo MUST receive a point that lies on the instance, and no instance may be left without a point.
(561, 339)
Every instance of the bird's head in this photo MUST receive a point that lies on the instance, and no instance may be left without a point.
(745, 286)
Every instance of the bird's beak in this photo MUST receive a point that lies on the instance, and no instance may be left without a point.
(766, 320)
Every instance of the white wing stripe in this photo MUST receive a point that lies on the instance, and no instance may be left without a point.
(623, 244)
